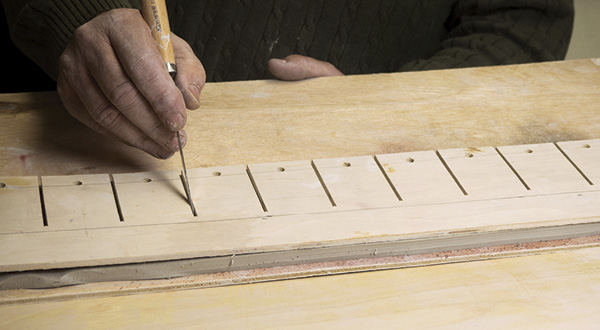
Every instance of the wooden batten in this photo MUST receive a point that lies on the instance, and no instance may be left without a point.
(274, 214)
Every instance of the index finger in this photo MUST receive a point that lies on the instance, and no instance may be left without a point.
(141, 60)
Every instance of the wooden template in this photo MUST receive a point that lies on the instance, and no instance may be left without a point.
(291, 212)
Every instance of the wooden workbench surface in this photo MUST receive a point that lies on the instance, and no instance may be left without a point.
(263, 121)
(548, 291)
(267, 121)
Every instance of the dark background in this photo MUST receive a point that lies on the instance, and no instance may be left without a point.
(21, 74)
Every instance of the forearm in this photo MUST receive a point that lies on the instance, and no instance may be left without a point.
(502, 32)
(43, 28)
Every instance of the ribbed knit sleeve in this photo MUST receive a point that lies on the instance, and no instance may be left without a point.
(42, 28)
(491, 32)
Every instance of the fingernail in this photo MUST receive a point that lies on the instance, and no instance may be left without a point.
(165, 154)
(183, 140)
(194, 91)
(173, 144)
(176, 122)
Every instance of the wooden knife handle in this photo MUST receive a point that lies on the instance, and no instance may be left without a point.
(155, 14)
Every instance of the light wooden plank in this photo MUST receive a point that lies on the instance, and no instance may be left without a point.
(544, 168)
(356, 183)
(79, 202)
(152, 198)
(290, 187)
(222, 193)
(554, 290)
(420, 177)
(20, 207)
(301, 219)
(300, 234)
(586, 156)
(483, 173)
(246, 122)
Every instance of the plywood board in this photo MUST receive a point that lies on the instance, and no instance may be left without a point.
(483, 173)
(290, 187)
(356, 182)
(79, 202)
(299, 221)
(420, 177)
(555, 290)
(248, 122)
(143, 196)
(544, 168)
(20, 207)
(586, 156)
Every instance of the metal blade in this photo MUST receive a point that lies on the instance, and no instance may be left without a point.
(186, 182)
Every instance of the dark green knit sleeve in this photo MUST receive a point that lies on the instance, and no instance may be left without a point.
(41, 29)
(492, 32)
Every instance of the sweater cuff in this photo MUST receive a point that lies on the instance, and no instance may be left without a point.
(43, 28)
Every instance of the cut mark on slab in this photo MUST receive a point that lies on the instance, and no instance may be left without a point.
(114, 190)
(186, 188)
(258, 195)
(462, 189)
(573, 163)
(327, 192)
(387, 178)
(42, 203)
(513, 169)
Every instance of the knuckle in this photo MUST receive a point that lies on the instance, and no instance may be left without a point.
(106, 117)
(167, 100)
(65, 61)
(123, 95)
(158, 133)
(140, 141)
(85, 35)
(67, 65)
(115, 17)
(199, 75)
(121, 14)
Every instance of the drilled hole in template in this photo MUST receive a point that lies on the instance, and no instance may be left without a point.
(587, 146)
(147, 180)
(77, 183)
(410, 160)
(2, 185)
(281, 169)
(529, 151)
(346, 164)
(216, 174)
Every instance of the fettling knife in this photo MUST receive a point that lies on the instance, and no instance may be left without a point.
(155, 14)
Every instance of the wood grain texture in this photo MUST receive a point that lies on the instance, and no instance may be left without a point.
(558, 290)
(293, 211)
(268, 121)
(17, 199)
(91, 193)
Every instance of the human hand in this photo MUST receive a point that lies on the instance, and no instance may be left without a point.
(298, 67)
(113, 79)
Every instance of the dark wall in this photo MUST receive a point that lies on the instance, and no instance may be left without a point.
(20, 74)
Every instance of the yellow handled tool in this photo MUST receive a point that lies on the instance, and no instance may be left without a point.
(155, 14)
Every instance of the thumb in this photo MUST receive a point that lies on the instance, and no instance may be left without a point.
(298, 67)
(191, 76)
